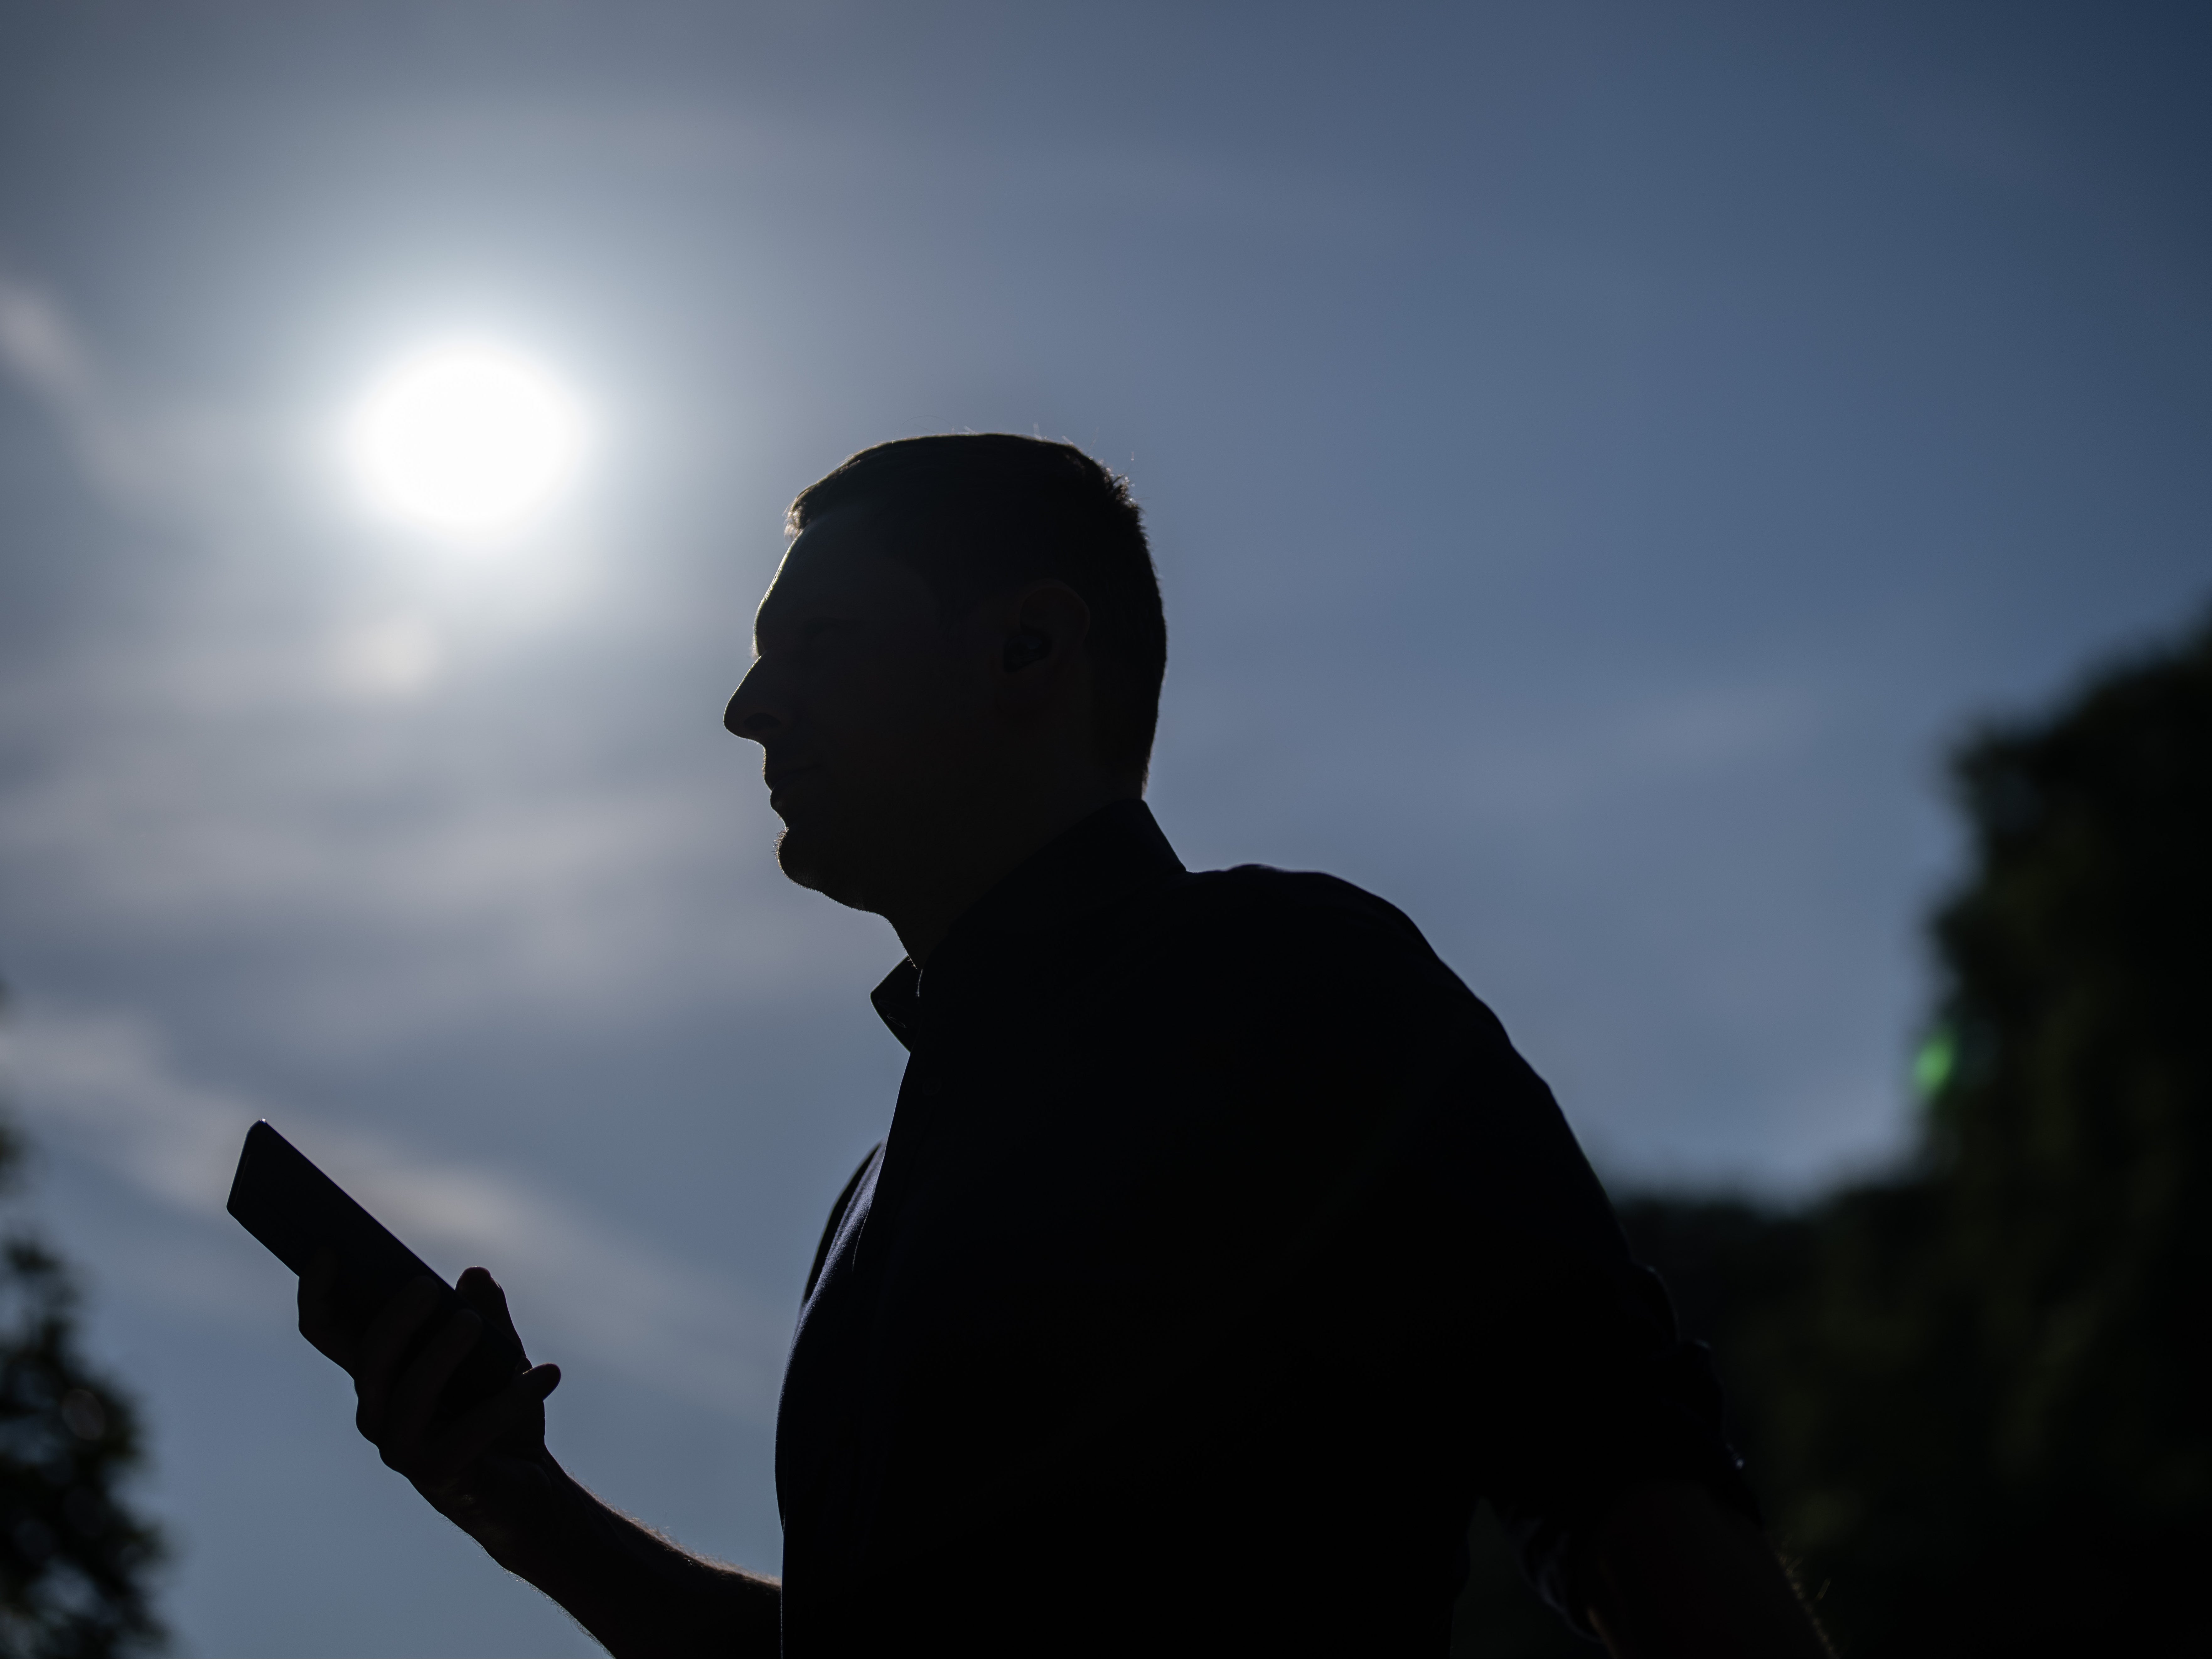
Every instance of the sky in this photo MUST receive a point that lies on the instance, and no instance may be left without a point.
(1599, 458)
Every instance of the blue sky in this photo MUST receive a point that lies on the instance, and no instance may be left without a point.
(1598, 457)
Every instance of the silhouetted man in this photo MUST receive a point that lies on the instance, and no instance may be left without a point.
(1222, 1252)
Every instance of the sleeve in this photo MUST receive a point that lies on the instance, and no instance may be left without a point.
(1581, 1383)
(1455, 1183)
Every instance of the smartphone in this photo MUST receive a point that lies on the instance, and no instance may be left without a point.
(298, 1211)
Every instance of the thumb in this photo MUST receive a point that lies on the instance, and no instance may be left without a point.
(482, 1293)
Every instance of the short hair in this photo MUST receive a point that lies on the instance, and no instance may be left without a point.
(976, 514)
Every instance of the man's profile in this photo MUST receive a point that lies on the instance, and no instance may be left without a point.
(1222, 1253)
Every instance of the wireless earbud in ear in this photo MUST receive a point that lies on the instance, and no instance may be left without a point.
(1025, 648)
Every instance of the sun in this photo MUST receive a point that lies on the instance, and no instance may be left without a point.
(466, 439)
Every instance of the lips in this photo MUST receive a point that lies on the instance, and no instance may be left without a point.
(780, 780)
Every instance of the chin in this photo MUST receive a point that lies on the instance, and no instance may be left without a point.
(794, 856)
(806, 861)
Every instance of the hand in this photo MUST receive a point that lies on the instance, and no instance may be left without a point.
(1671, 1571)
(487, 1470)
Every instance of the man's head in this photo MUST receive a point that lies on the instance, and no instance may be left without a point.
(962, 648)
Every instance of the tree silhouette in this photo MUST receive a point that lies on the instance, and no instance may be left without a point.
(74, 1560)
(1974, 1395)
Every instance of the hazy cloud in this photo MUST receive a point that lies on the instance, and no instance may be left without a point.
(153, 458)
(103, 1087)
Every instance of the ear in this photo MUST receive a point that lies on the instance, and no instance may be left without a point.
(1041, 631)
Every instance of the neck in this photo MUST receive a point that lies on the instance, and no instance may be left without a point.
(977, 856)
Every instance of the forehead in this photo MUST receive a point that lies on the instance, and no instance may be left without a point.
(838, 561)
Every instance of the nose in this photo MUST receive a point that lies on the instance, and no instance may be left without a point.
(754, 711)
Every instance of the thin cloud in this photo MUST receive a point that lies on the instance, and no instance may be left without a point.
(333, 770)
(102, 1085)
(156, 461)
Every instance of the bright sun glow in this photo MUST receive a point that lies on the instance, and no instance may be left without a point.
(468, 440)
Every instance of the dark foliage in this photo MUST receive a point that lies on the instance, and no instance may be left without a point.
(74, 1560)
(1975, 1397)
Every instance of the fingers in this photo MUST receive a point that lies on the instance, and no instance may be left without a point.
(381, 1346)
(319, 1320)
(399, 1397)
(482, 1291)
(414, 1397)
(517, 1409)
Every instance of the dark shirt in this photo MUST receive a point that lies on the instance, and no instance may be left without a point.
(1222, 1253)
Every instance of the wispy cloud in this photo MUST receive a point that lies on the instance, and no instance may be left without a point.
(155, 459)
(102, 1086)
(738, 147)
(326, 761)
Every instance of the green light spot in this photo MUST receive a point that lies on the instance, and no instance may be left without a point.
(1938, 1057)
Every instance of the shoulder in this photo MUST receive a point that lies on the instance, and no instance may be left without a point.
(1250, 894)
(1305, 940)
(1256, 910)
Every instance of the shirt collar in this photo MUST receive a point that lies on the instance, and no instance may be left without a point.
(1114, 852)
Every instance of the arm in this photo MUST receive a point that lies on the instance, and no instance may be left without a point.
(489, 1472)
(1671, 1572)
